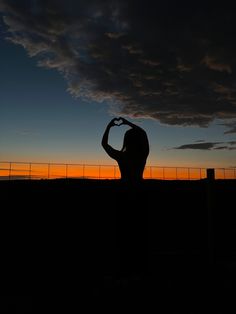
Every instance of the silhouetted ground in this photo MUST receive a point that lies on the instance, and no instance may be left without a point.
(15, 304)
(107, 243)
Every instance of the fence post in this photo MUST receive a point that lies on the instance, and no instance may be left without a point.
(9, 174)
(210, 174)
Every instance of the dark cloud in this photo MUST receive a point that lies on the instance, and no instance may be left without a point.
(230, 145)
(171, 61)
(202, 146)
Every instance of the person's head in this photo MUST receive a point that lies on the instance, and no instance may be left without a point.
(136, 142)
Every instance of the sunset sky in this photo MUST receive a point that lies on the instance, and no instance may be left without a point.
(69, 67)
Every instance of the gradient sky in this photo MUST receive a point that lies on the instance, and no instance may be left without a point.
(68, 67)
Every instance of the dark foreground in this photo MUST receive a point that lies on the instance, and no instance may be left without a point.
(164, 245)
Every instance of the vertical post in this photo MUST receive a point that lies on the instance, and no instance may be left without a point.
(210, 174)
(9, 174)
(30, 171)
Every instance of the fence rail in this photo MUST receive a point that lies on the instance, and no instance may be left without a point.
(13, 170)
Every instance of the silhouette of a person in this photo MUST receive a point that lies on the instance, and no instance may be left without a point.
(133, 155)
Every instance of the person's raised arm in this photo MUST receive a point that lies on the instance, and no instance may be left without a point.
(106, 133)
(113, 153)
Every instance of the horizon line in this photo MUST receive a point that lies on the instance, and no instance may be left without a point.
(106, 165)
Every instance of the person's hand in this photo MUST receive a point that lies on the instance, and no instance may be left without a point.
(126, 122)
(113, 122)
(118, 121)
(123, 120)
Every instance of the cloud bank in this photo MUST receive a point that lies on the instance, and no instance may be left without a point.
(171, 61)
(229, 145)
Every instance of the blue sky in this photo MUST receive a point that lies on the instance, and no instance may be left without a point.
(40, 120)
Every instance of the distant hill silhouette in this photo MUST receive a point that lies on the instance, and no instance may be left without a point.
(120, 242)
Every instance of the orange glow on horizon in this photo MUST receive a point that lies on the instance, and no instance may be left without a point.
(22, 170)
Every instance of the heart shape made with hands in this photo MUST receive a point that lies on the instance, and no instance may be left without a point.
(118, 121)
